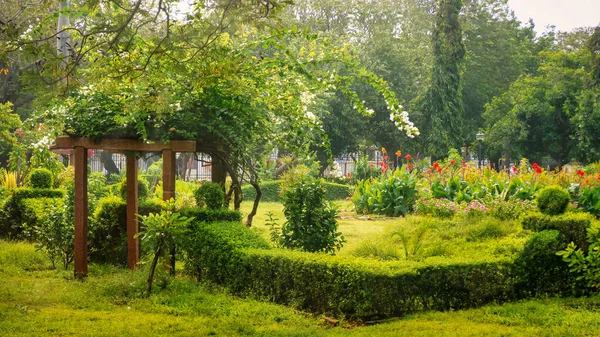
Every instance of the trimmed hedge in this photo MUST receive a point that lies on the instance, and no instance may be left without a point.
(271, 191)
(15, 213)
(573, 226)
(230, 254)
(108, 228)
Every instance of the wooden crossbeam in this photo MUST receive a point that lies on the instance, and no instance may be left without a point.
(119, 145)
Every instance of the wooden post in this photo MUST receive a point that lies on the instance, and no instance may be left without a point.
(168, 174)
(133, 250)
(169, 170)
(81, 213)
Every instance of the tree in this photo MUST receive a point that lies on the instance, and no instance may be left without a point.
(441, 104)
(538, 111)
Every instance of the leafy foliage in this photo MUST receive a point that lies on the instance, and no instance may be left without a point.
(40, 178)
(164, 231)
(210, 195)
(553, 200)
(391, 194)
(310, 223)
(442, 102)
(585, 263)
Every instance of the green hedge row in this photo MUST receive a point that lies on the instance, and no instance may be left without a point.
(540, 270)
(108, 226)
(230, 254)
(16, 212)
(271, 191)
(572, 225)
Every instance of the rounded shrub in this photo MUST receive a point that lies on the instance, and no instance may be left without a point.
(553, 200)
(142, 189)
(210, 195)
(41, 178)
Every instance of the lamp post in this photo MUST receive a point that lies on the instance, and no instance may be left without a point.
(479, 136)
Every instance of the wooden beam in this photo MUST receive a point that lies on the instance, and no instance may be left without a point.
(81, 213)
(119, 145)
(133, 250)
(168, 174)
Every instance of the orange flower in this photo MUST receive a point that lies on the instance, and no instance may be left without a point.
(386, 158)
(383, 150)
(398, 153)
(409, 167)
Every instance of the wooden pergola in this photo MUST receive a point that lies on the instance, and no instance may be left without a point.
(130, 147)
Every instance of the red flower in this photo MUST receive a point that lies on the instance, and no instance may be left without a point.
(464, 163)
(587, 181)
(409, 167)
(348, 174)
(598, 176)
(514, 169)
(408, 157)
(429, 172)
(439, 169)
(380, 163)
(371, 164)
(436, 165)
(452, 162)
(580, 173)
(398, 153)
(538, 169)
(384, 168)
(386, 158)
(535, 166)
(90, 153)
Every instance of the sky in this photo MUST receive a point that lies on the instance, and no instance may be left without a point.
(564, 14)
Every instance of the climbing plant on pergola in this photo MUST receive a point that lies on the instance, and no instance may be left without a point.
(131, 148)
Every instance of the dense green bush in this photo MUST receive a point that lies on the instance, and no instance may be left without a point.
(553, 200)
(210, 215)
(15, 214)
(142, 189)
(271, 191)
(107, 240)
(540, 271)
(311, 223)
(41, 178)
(230, 254)
(573, 226)
(108, 226)
(586, 267)
(210, 195)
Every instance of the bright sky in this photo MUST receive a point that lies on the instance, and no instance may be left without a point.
(564, 14)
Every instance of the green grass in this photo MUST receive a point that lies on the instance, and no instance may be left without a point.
(373, 236)
(38, 301)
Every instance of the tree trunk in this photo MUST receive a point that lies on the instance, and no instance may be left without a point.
(109, 164)
(153, 268)
(255, 206)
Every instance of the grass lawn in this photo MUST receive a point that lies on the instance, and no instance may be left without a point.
(38, 301)
(372, 236)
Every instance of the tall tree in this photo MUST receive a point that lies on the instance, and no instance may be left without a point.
(441, 104)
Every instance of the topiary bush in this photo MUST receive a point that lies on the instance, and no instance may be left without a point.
(210, 195)
(541, 271)
(553, 200)
(572, 226)
(41, 178)
(15, 214)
